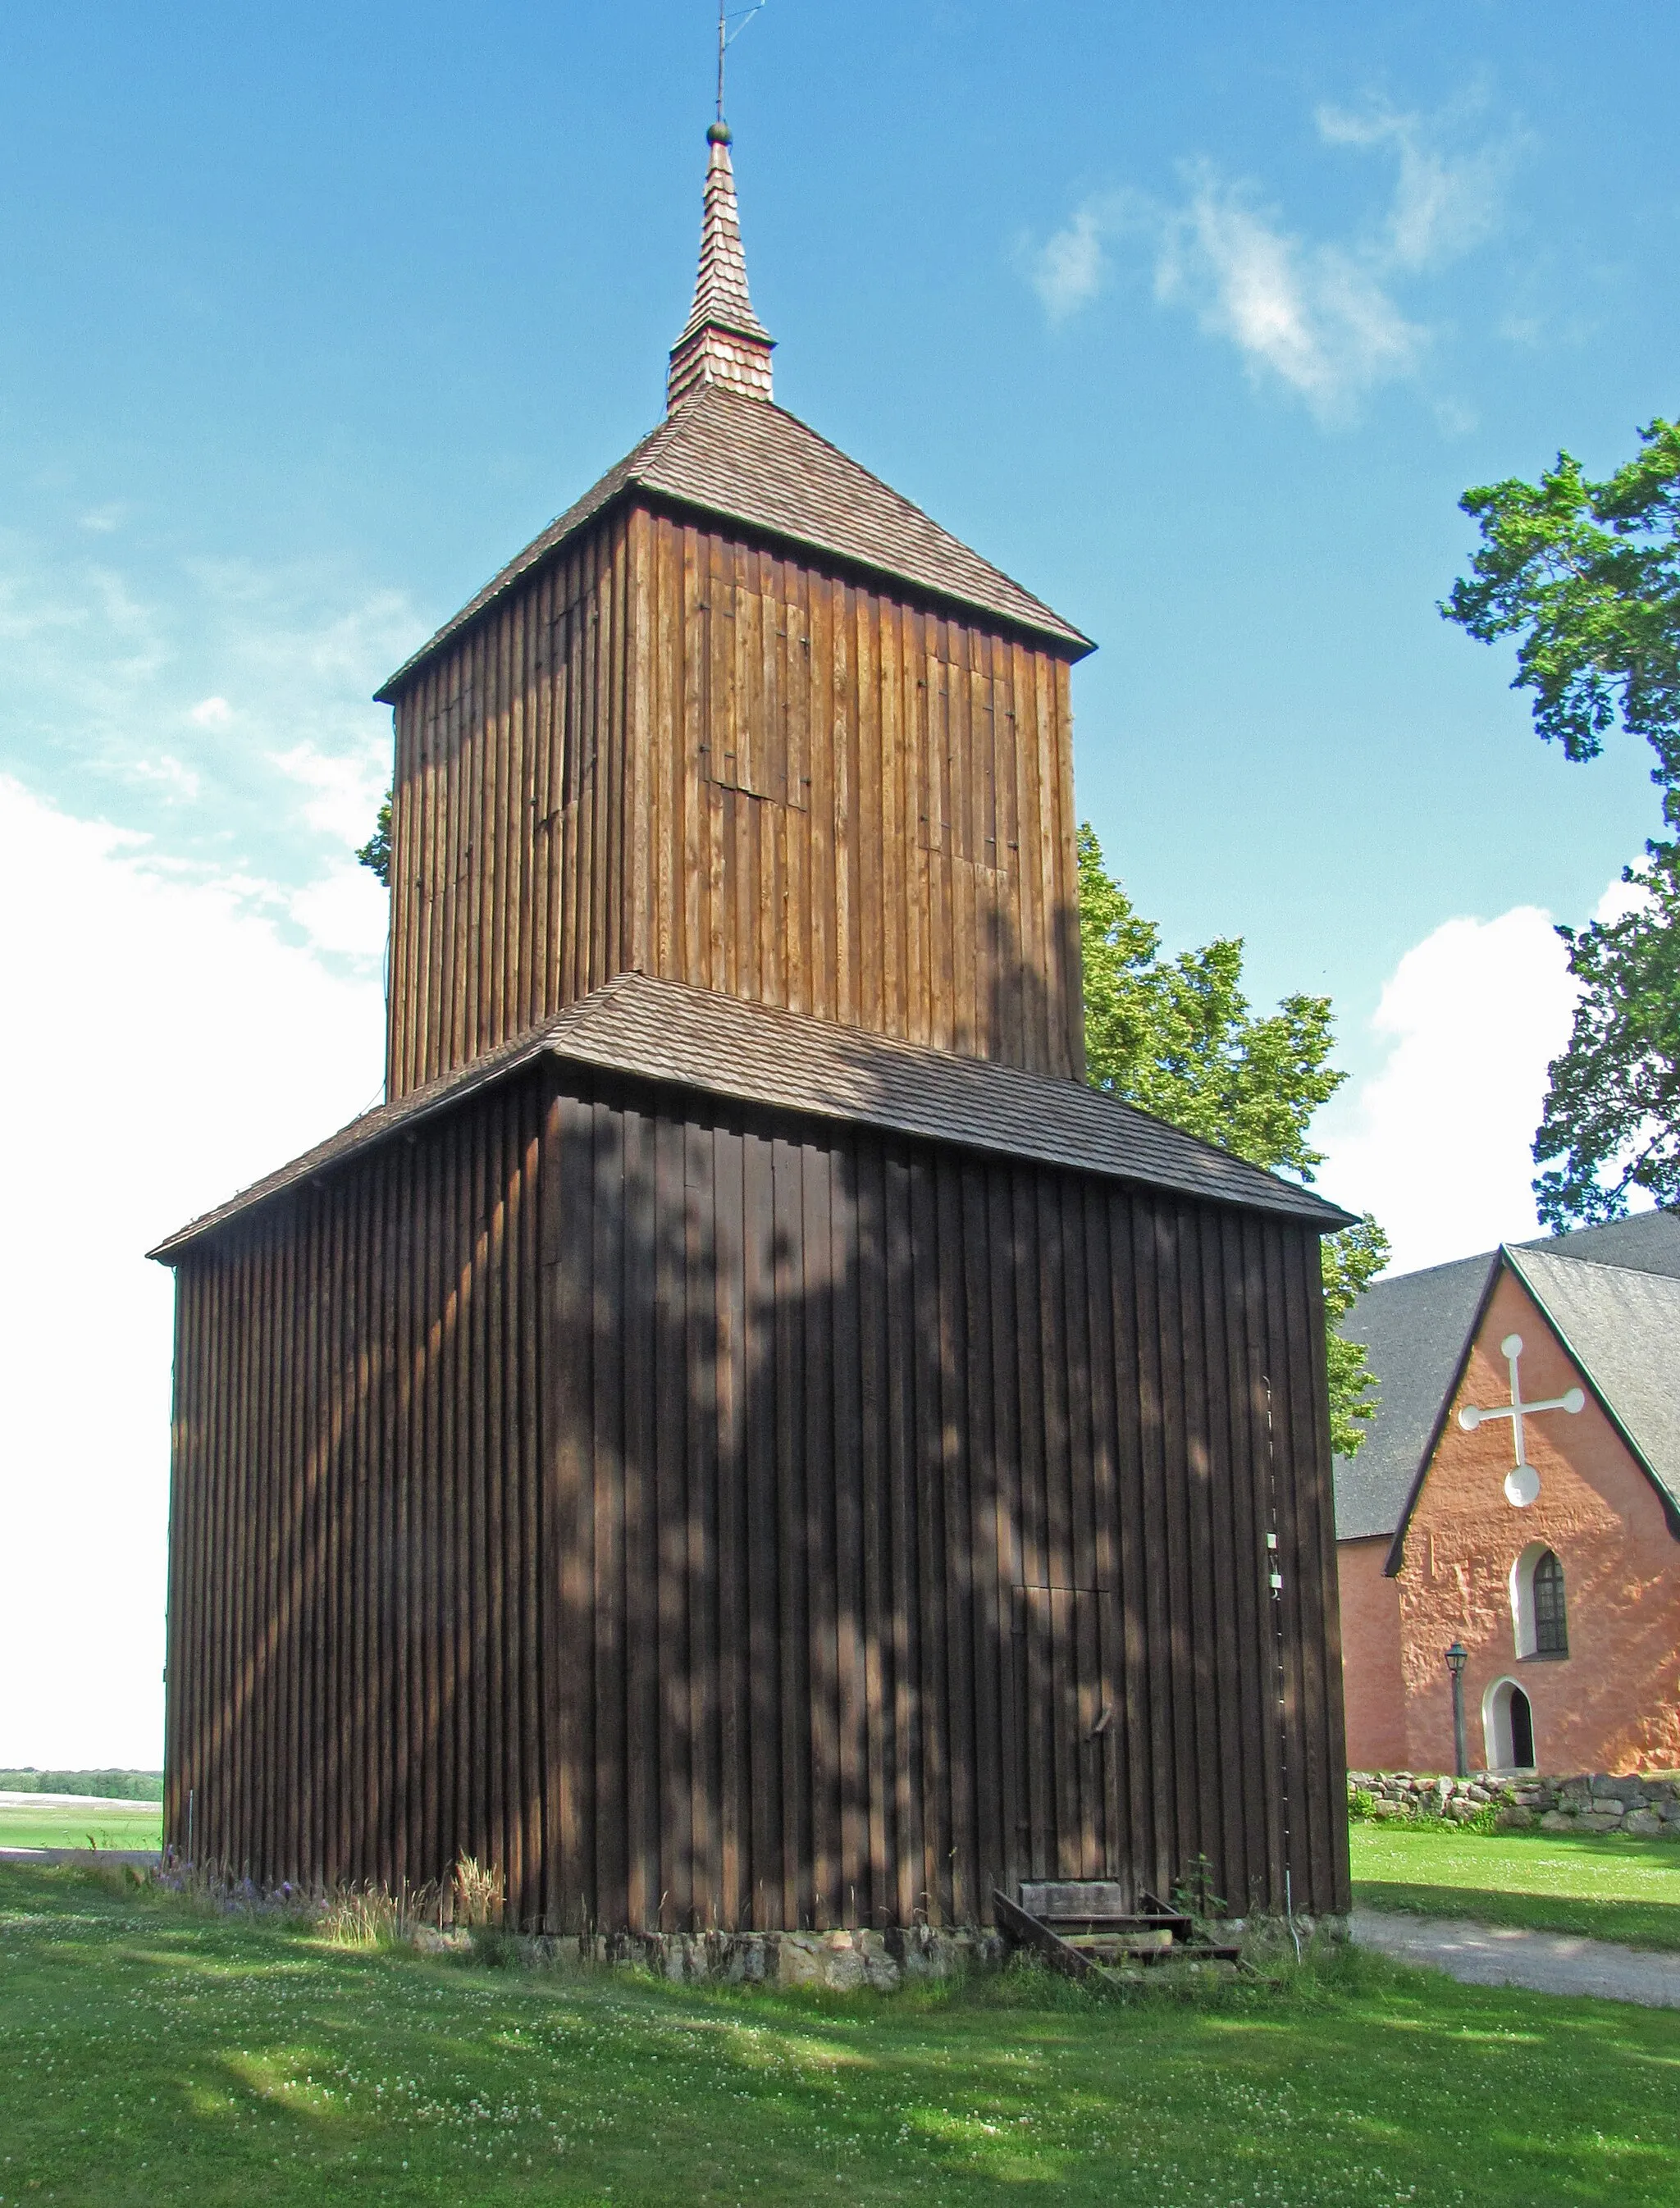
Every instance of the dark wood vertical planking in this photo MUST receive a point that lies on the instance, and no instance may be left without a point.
(874, 1503)
(1312, 1519)
(494, 1689)
(567, 1638)
(816, 1235)
(1108, 1454)
(1087, 1578)
(1003, 1561)
(1206, 1763)
(851, 1619)
(958, 1592)
(604, 1483)
(640, 1527)
(932, 1678)
(795, 1668)
(984, 1625)
(1036, 1554)
(805, 1441)
(760, 1485)
(675, 1747)
(697, 1905)
(1250, 1606)
(898, 1289)
(732, 1551)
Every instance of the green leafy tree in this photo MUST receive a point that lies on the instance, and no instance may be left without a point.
(1612, 1109)
(1586, 576)
(376, 852)
(1176, 1037)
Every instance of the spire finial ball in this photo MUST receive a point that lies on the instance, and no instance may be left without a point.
(718, 134)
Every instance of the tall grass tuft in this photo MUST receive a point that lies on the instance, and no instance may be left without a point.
(479, 1893)
(362, 1916)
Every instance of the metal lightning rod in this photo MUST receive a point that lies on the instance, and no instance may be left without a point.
(727, 37)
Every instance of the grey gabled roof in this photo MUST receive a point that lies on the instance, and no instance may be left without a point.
(1416, 1328)
(748, 460)
(699, 1039)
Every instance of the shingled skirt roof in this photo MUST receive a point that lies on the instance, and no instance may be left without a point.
(699, 1039)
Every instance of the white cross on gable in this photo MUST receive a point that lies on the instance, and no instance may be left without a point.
(1522, 1482)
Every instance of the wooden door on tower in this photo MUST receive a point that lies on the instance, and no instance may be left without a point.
(1068, 1734)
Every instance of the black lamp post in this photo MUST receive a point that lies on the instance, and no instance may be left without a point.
(1457, 1657)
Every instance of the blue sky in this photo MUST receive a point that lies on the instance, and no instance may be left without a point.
(1198, 322)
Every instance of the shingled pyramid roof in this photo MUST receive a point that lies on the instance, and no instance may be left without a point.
(726, 451)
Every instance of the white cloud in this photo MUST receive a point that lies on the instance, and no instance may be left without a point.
(254, 682)
(345, 911)
(1322, 315)
(1071, 267)
(1438, 1142)
(168, 771)
(1445, 204)
(1316, 316)
(347, 787)
(168, 1046)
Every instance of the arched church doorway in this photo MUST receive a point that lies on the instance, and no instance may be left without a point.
(1508, 1727)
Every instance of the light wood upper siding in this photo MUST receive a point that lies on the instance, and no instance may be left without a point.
(674, 750)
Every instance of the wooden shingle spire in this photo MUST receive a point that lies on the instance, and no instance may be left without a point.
(724, 341)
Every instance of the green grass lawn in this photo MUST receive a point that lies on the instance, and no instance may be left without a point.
(50, 1824)
(1602, 1885)
(152, 2055)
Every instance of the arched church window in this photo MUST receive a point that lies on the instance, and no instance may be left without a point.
(1551, 1629)
(1538, 1618)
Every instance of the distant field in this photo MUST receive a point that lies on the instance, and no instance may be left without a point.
(51, 1821)
(1600, 1886)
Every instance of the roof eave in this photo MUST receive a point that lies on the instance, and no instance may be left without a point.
(1312, 1211)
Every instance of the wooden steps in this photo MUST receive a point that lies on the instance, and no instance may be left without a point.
(1079, 1926)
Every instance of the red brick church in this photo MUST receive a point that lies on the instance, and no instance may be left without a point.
(1519, 1492)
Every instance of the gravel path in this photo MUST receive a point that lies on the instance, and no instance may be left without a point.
(1502, 1955)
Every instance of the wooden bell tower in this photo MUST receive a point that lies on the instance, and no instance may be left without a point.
(744, 718)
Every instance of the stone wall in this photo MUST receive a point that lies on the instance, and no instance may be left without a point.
(1598, 1802)
(841, 1961)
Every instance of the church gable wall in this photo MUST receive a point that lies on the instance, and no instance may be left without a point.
(1614, 1702)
